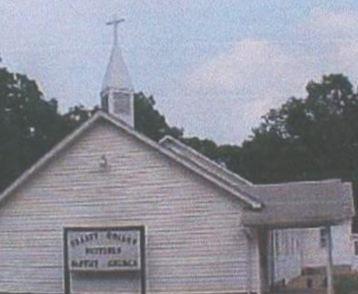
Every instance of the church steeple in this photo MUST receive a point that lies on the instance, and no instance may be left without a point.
(117, 90)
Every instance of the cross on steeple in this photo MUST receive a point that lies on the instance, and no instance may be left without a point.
(115, 22)
(117, 90)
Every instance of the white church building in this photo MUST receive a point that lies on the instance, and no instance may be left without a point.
(108, 210)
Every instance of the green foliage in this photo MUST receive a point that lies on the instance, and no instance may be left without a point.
(204, 146)
(346, 284)
(311, 138)
(29, 125)
(76, 116)
(149, 121)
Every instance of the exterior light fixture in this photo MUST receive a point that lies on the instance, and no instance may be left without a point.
(103, 162)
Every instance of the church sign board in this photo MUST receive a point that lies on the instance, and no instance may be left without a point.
(113, 249)
(104, 249)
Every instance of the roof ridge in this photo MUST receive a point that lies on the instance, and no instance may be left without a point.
(205, 158)
(308, 182)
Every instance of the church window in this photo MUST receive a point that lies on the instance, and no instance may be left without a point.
(355, 247)
(287, 243)
(277, 243)
(292, 244)
(297, 245)
(323, 237)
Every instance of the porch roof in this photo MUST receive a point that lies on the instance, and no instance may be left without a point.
(301, 204)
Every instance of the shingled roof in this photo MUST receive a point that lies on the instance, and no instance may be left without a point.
(301, 204)
(184, 151)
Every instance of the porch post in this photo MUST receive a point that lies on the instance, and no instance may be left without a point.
(329, 266)
(270, 255)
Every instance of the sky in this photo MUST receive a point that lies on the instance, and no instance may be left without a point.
(214, 67)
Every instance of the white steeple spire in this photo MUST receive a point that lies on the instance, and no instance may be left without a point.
(117, 90)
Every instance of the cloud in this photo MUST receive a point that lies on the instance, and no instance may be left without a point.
(228, 93)
(336, 37)
(343, 58)
(340, 24)
(250, 69)
(169, 5)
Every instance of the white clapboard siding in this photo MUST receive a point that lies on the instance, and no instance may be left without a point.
(316, 255)
(195, 242)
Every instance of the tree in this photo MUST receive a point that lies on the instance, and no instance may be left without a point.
(29, 125)
(311, 138)
(149, 121)
(76, 116)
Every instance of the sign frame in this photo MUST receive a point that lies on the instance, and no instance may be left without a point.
(67, 272)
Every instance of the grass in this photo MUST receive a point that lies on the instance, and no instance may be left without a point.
(346, 284)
